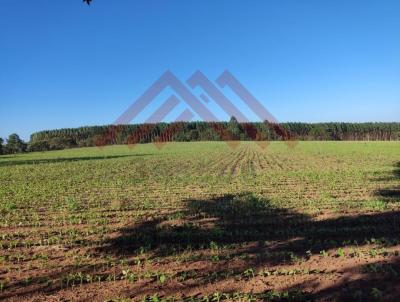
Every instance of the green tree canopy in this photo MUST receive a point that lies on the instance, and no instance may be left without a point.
(234, 128)
(215, 131)
(15, 144)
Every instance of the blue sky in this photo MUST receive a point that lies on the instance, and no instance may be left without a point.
(66, 64)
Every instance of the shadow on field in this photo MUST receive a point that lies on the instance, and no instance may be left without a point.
(247, 225)
(232, 226)
(391, 194)
(232, 233)
(62, 159)
(236, 219)
(379, 282)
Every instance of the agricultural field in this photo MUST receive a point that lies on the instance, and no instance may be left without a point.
(204, 221)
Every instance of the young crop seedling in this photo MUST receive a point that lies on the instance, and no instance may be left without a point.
(170, 225)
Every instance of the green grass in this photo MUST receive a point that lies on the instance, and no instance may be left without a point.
(100, 211)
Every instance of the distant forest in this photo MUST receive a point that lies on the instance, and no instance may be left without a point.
(209, 131)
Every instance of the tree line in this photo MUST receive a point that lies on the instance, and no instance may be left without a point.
(198, 131)
(13, 145)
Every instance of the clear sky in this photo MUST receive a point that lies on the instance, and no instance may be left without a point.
(66, 64)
